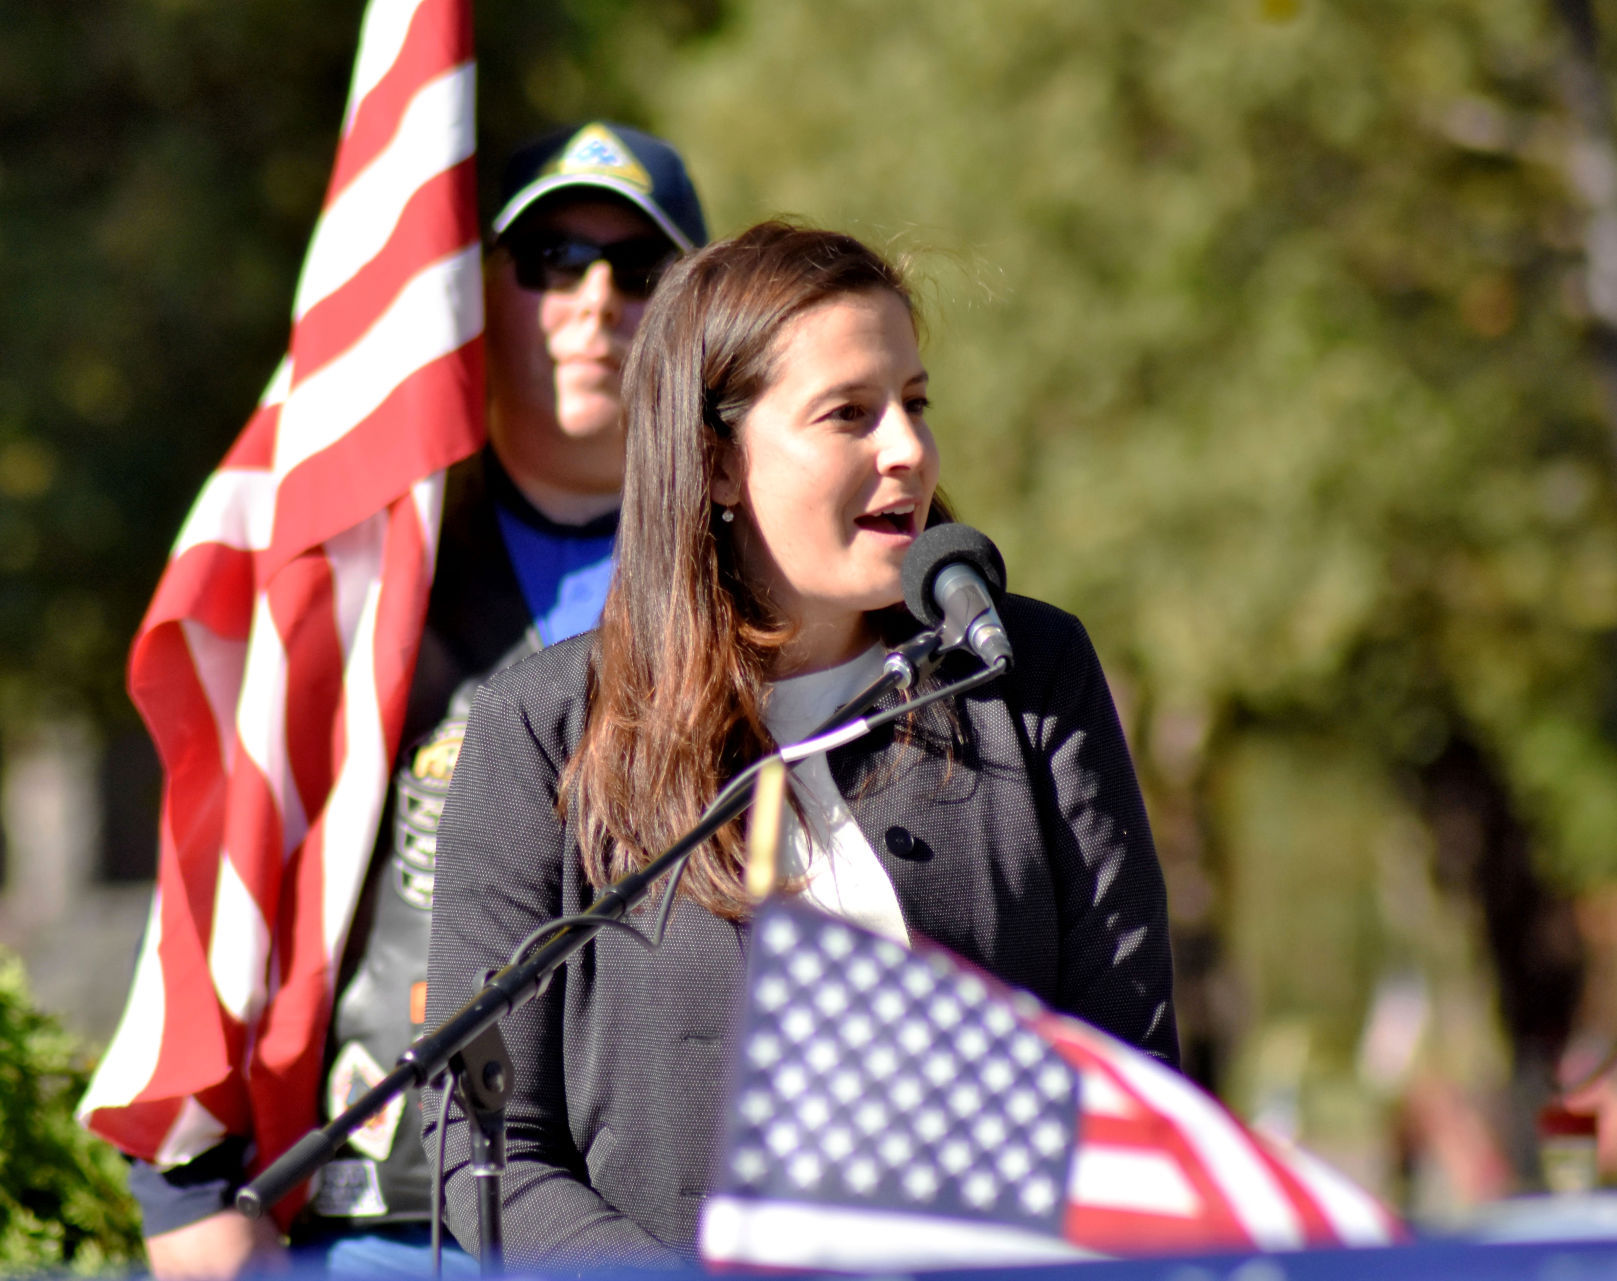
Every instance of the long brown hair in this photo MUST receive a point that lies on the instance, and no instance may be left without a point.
(682, 657)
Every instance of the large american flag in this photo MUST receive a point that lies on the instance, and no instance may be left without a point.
(273, 665)
(895, 1109)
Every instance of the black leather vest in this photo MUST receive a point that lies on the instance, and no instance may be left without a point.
(477, 623)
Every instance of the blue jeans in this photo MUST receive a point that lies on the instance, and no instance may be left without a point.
(385, 1252)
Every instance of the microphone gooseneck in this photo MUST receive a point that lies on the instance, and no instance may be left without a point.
(953, 575)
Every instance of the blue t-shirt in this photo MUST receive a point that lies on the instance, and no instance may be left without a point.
(563, 570)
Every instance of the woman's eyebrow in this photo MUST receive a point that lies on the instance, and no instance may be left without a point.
(855, 387)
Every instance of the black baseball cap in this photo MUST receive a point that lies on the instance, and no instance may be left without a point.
(643, 170)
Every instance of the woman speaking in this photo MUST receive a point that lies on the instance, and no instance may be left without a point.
(779, 467)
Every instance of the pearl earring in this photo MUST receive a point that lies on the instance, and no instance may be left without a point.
(726, 515)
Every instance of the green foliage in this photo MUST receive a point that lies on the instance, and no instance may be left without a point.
(64, 1206)
(162, 163)
(1256, 339)
(160, 178)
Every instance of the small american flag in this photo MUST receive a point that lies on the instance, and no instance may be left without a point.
(893, 1108)
(273, 665)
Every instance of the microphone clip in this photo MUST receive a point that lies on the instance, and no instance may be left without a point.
(912, 661)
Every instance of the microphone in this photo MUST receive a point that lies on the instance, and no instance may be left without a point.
(952, 576)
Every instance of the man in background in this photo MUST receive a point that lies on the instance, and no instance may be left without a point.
(589, 217)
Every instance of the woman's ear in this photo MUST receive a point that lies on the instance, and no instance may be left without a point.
(725, 487)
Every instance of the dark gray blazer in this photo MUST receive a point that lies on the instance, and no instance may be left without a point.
(1025, 849)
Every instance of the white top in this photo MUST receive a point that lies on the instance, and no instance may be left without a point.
(844, 875)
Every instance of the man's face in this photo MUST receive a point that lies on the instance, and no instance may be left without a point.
(558, 350)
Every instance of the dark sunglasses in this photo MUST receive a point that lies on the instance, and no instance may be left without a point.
(553, 261)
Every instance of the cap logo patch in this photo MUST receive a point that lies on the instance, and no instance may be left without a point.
(596, 150)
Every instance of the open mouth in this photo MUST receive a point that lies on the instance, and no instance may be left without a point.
(897, 519)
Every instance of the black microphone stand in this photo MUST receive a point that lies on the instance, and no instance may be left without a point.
(472, 1036)
(469, 1043)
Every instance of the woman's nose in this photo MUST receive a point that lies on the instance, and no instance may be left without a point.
(905, 440)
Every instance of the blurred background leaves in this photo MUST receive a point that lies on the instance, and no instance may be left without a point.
(64, 1208)
(1261, 339)
(1262, 335)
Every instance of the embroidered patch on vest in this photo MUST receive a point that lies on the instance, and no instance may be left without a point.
(420, 788)
(349, 1190)
(353, 1073)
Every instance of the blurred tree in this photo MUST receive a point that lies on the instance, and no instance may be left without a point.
(1591, 164)
(1257, 341)
(162, 163)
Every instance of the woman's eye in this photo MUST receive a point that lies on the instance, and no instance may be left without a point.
(918, 405)
(849, 413)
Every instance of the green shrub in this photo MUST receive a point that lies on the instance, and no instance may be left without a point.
(64, 1202)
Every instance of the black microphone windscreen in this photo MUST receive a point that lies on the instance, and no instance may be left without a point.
(934, 551)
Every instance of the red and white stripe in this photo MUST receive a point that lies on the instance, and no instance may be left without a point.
(1162, 1166)
(274, 662)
